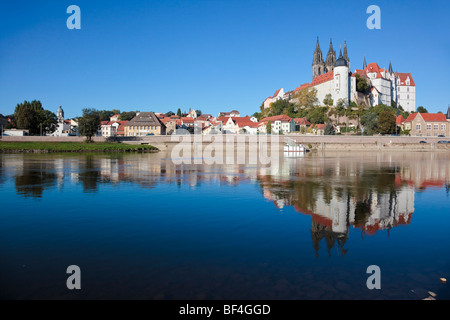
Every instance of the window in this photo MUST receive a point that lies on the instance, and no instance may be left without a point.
(436, 127)
(417, 126)
(443, 127)
(428, 126)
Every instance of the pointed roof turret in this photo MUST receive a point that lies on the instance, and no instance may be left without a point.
(365, 63)
(390, 67)
(341, 62)
(345, 51)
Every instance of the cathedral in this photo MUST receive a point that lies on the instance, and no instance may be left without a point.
(319, 66)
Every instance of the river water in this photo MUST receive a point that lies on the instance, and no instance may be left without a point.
(142, 227)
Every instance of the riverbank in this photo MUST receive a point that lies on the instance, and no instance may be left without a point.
(51, 147)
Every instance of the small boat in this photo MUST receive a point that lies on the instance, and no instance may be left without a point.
(292, 146)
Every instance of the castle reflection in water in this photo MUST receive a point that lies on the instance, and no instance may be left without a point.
(368, 191)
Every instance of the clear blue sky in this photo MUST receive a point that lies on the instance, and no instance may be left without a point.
(210, 55)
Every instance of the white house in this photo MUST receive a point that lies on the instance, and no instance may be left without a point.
(279, 94)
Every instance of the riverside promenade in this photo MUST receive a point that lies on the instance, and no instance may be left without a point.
(335, 143)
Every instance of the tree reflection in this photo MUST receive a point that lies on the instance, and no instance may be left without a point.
(34, 178)
(89, 175)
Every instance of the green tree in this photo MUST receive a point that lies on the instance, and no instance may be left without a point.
(33, 117)
(307, 97)
(386, 123)
(89, 124)
(105, 115)
(127, 116)
(422, 109)
(179, 112)
(170, 113)
(362, 85)
(329, 129)
(49, 122)
(269, 127)
(328, 101)
(369, 120)
(199, 112)
(257, 115)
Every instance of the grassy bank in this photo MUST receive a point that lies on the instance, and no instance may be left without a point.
(45, 147)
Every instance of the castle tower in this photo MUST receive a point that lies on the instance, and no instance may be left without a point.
(60, 114)
(346, 58)
(318, 65)
(331, 58)
(341, 86)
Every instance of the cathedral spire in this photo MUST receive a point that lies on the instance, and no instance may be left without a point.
(345, 50)
(390, 67)
(365, 63)
(346, 58)
(318, 63)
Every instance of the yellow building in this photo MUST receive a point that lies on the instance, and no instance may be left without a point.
(144, 124)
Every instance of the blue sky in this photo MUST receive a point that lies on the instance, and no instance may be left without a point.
(210, 55)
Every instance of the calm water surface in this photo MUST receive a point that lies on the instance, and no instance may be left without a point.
(141, 227)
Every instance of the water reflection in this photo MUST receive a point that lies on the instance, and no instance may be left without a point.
(371, 192)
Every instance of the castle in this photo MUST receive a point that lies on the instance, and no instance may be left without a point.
(333, 78)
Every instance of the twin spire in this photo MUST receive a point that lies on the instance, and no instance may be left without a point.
(320, 66)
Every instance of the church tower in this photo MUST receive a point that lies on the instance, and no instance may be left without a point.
(331, 58)
(60, 115)
(341, 81)
(318, 65)
(346, 58)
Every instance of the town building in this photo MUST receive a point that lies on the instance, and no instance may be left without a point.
(112, 128)
(301, 124)
(427, 124)
(278, 95)
(192, 114)
(114, 118)
(143, 124)
(63, 127)
(279, 124)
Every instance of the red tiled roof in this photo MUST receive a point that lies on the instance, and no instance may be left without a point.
(303, 86)
(302, 121)
(319, 126)
(428, 117)
(322, 78)
(400, 119)
(244, 122)
(281, 117)
(276, 93)
(187, 120)
(403, 77)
